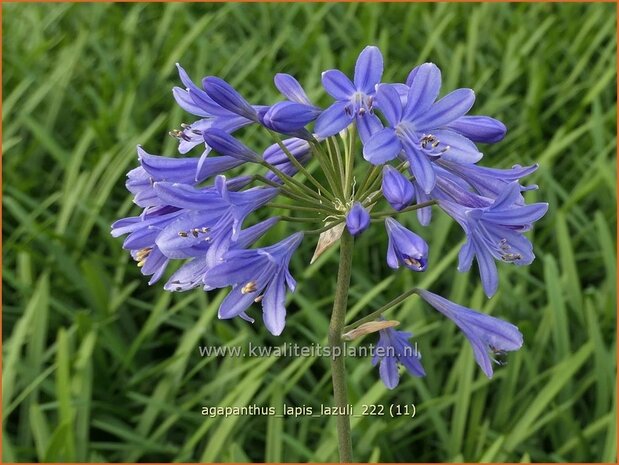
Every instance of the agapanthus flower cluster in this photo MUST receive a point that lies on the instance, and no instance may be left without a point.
(416, 151)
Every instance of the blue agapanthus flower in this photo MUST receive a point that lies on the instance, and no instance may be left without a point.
(393, 349)
(213, 214)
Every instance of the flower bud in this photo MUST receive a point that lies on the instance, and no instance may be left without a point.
(398, 190)
(357, 219)
(405, 247)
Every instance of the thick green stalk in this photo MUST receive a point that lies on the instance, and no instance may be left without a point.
(338, 369)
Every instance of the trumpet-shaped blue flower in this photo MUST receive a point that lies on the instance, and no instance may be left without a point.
(352, 99)
(422, 129)
(357, 219)
(191, 274)
(488, 335)
(205, 211)
(394, 348)
(228, 98)
(405, 247)
(259, 275)
(292, 115)
(225, 144)
(494, 232)
(142, 235)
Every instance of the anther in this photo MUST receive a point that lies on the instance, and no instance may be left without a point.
(259, 298)
(183, 234)
(249, 287)
(412, 262)
(142, 254)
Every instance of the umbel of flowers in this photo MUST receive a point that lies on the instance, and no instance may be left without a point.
(379, 151)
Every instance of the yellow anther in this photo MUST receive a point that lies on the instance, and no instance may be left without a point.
(249, 287)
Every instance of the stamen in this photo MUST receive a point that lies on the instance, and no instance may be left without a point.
(412, 262)
(142, 254)
(499, 355)
(429, 139)
(259, 298)
(249, 287)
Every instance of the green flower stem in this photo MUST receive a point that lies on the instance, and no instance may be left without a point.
(338, 369)
(291, 182)
(299, 219)
(350, 158)
(374, 315)
(338, 162)
(286, 191)
(323, 210)
(327, 167)
(301, 168)
(369, 179)
(382, 214)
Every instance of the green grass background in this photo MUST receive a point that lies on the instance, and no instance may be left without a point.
(98, 366)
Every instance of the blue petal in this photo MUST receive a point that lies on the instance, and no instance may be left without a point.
(459, 149)
(449, 108)
(425, 85)
(187, 103)
(421, 167)
(227, 145)
(388, 101)
(368, 69)
(226, 96)
(382, 147)
(235, 303)
(479, 128)
(508, 197)
(333, 120)
(199, 97)
(187, 276)
(487, 268)
(368, 124)
(517, 216)
(465, 256)
(290, 88)
(337, 84)
(240, 267)
(186, 196)
(273, 305)
(287, 117)
(168, 169)
(212, 166)
(388, 370)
